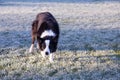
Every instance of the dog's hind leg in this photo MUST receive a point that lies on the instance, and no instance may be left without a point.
(37, 46)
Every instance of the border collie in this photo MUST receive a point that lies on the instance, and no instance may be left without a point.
(45, 30)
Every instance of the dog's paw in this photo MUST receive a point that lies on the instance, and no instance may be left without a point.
(51, 58)
(51, 61)
(43, 54)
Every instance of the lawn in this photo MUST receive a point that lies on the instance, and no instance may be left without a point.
(88, 49)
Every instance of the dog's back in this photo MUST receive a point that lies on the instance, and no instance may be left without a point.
(45, 21)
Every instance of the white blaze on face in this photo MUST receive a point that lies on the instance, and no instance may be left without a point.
(47, 42)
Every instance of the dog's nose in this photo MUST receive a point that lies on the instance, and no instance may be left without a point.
(46, 53)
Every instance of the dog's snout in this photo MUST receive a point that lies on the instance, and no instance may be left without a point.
(46, 53)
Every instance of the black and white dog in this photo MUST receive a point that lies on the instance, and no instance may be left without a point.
(45, 30)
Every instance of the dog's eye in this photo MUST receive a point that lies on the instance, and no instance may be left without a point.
(40, 40)
(52, 44)
(43, 46)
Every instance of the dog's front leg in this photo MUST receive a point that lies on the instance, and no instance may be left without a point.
(32, 45)
(51, 57)
(43, 54)
(31, 48)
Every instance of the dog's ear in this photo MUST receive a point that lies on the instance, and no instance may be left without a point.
(55, 39)
(34, 27)
(35, 23)
(45, 25)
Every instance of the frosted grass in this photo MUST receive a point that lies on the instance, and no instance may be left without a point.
(88, 47)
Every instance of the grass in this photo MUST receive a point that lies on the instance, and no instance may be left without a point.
(88, 47)
(52, 73)
(117, 53)
(1, 67)
(71, 64)
(116, 49)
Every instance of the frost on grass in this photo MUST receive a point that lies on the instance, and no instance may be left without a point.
(88, 48)
(67, 65)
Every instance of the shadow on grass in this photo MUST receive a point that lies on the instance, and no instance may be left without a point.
(70, 39)
(89, 39)
(14, 39)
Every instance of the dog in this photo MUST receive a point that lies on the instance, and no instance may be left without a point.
(45, 30)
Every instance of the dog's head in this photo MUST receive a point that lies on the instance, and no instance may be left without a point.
(47, 42)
